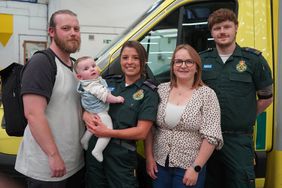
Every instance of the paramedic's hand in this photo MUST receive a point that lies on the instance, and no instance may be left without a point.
(88, 118)
(190, 177)
(57, 165)
(100, 130)
(151, 167)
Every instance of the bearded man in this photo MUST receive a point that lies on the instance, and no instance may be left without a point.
(50, 154)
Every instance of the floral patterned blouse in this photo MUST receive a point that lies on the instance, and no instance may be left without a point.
(200, 119)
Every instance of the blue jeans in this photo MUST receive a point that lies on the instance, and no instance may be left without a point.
(171, 177)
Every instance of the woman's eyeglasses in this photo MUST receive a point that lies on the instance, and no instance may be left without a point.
(187, 62)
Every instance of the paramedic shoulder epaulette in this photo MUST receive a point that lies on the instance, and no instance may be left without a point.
(252, 50)
(113, 76)
(150, 84)
(205, 51)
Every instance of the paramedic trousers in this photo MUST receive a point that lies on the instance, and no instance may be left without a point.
(117, 170)
(233, 165)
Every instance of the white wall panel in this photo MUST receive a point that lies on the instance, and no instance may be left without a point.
(101, 21)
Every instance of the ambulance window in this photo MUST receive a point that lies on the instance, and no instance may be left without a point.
(187, 24)
(160, 43)
(194, 26)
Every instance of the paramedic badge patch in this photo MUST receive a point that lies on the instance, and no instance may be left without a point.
(138, 95)
(241, 66)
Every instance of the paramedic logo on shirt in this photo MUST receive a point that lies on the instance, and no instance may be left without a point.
(241, 66)
(138, 95)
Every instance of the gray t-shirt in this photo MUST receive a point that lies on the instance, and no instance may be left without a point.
(64, 116)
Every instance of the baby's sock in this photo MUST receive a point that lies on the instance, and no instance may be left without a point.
(98, 155)
(84, 142)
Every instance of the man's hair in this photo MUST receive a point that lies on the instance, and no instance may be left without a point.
(222, 15)
(140, 51)
(197, 60)
(52, 22)
(78, 61)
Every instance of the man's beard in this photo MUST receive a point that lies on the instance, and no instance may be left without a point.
(68, 46)
(226, 45)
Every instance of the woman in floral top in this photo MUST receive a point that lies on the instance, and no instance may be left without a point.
(188, 125)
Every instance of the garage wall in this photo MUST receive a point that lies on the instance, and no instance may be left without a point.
(29, 24)
(101, 22)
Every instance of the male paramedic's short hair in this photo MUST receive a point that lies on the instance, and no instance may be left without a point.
(222, 15)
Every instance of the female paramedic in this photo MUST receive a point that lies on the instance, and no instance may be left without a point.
(132, 121)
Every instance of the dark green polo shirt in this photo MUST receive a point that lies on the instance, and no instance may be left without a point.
(235, 83)
(141, 103)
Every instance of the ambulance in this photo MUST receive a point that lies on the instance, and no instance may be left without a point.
(168, 23)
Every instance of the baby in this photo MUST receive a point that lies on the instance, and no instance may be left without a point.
(95, 98)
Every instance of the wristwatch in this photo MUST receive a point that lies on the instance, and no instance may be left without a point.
(197, 168)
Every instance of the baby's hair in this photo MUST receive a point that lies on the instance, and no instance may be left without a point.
(79, 60)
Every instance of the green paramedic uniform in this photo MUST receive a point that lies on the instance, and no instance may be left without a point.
(118, 169)
(235, 82)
